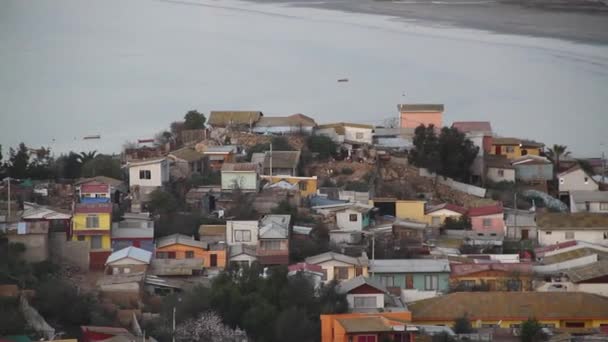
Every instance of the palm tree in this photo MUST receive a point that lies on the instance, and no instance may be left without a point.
(84, 157)
(556, 153)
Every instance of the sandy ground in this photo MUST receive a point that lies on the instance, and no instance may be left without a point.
(543, 18)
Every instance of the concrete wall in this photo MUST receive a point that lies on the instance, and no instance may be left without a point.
(159, 174)
(466, 188)
(493, 174)
(343, 220)
(36, 246)
(415, 119)
(365, 134)
(244, 180)
(547, 236)
(75, 253)
(575, 180)
(232, 226)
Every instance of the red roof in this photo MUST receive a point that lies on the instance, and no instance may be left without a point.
(473, 126)
(465, 269)
(93, 208)
(94, 186)
(447, 206)
(302, 266)
(486, 210)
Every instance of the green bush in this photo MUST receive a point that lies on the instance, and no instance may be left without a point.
(347, 171)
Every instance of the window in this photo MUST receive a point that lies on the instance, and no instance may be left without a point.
(145, 174)
(479, 234)
(604, 206)
(547, 233)
(352, 217)
(435, 221)
(431, 282)
(409, 281)
(270, 245)
(492, 234)
(242, 236)
(92, 221)
(95, 242)
(165, 255)
(487, 222)
(575, 324)
(341, 273)
(510, 149)
(501, 173)
(514, 285)
(303, 186)
(469, 284)
(561, 181)
(189, 254)
(365, 302)
(570, 235)
(80, 238)
(586, 180)
(358, 271)
(605, 235)
(387, 281)
(100, 195)
(359, 135)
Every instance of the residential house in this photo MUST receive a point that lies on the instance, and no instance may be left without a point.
(411, 234)
(589, 201)
(218, 155)
(292, 124)
(397, 138)
(242, 255)
(560, 227)
(590, 278)
(135, 230)
(179, 247)
(128, 260)
(355, 217)
(242, 233)
(497, 276)
(91, 222)
(187, 160)
(480, 133)
(124, 290)
(339, 266)
(418, 274)
(342, 237)
(117, 187)
(575, 179)
(366, 327)
(511, 309)
(363, 294)
(499, 169)
(273, 241)
(59, 220)
(344, 132)
(92, 191)
(514, 148)
(146, 176)
(306, 185)
(244, 176)
(314, 273)
(438, 213)
(34, 235)
(487, 220)
(212, 233)
(237, 120)
(411, 210)
(277, 162)
(414, 115)
(533, 169)
(521, 224)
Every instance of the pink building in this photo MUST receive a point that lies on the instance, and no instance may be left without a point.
(488, 219)
(414, 115)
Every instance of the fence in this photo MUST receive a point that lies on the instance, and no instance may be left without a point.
(462, 187)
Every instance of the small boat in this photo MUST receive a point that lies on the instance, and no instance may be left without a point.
(89, 137)
(343, 80)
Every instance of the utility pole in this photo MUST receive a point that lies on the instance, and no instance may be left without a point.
(515, 216)
(173, 324)
(8, 216)
(373, 251)
(271, 160)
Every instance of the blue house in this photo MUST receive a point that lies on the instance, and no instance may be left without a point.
(419, 274)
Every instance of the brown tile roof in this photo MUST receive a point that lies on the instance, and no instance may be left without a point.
(292, 120)
(239, 167)
(188, 154)
(588, 272)
(561, 221)
(225, 118)
(511, 306)
(498, 161)
(466, 269)
(420, 107)
(505, 141)
(365, 324)
(473, 126)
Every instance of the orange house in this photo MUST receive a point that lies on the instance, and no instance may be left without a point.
(414, 115)
(362, 327)
(178, 246)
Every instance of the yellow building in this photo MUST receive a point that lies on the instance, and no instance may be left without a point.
(340, 267)
(306, 185)
(92, 222)
(511, 309)
(411, 210)
(513, 148)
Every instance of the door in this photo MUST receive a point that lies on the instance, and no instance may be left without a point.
(213, 261)
(524, 234)
(498, 149)
(409, 281)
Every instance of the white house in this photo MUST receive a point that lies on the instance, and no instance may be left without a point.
(339, 266)
(347, 132)
(353, 217)
(242, 233)
(149, 173)
(589, 201)
(576, 179)
(128, 260)
(244, 176)
(363, 294)
(499, 169)
(293, 124)
(242, 255)
(555, 228)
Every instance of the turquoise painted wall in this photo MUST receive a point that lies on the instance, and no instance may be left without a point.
(443, 279)
(365, 220)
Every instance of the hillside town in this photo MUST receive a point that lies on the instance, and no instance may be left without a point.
(240, 226)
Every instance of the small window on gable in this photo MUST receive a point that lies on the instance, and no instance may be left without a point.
(561, 181)
(586, 180)
(547, 233)
(352, 218)
(501, 173)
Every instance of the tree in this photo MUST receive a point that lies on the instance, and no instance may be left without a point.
(162, 202)
(194, 120)
(331, 301)
(322, 145)
(556, 153)
(462, 222)
(102, 165)
(208, 327)
(293, 324)
(278, 144)
(462, 325)
(85, 157)
(531, 331)
(163, 137)
(19, 162)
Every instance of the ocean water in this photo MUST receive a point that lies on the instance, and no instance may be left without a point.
(124, 70)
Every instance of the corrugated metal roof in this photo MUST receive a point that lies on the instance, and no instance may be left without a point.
(568, 221)
(132, 253)
(351, 284)
(589, 196)
(275, 227)
(327, 256)
(410, 265)
(241, 167)
(588, 272)
(179, 239)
